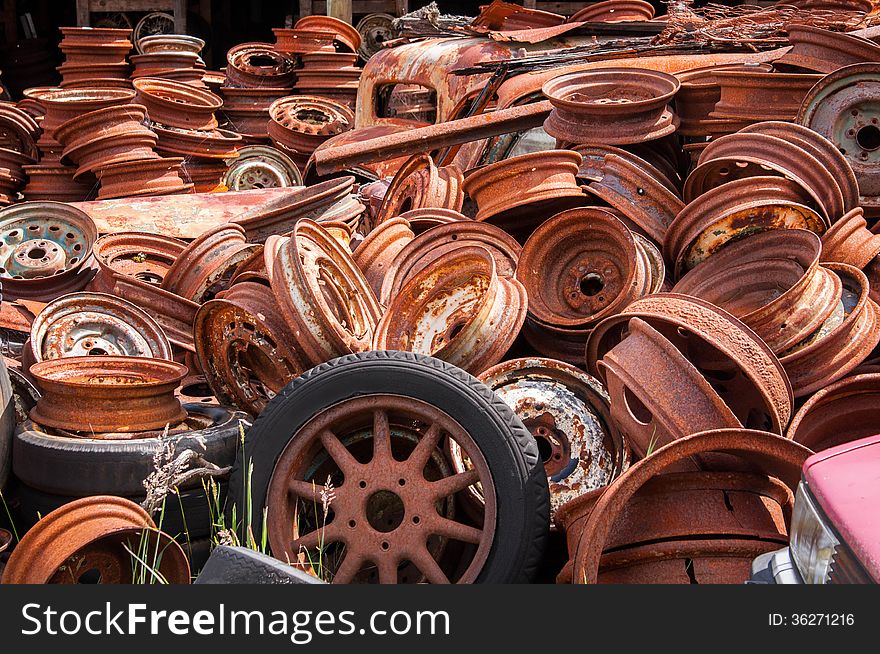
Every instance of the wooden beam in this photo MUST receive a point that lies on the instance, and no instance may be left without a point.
(180, 16)
(131, 5)
(340, 9)
(82, 13)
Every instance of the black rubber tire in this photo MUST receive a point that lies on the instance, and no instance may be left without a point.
(7, 424)
(522, 496)
(79, 467)
(239, 565)
(187, 512)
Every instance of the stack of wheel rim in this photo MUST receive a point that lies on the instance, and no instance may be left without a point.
(203, 146)
(17, 150)
(327, 51)
(53, 178)
(299, 124)
(170, 56)
(250, 89)
(95, 57)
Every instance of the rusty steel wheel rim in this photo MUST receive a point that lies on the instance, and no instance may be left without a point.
(85, 542)
(773, 282)
(779, 457)
(764, 394)
(820, 148)
(782, 94)
(301, 123)
(259, 166)
(88, 324)
(244, 347)
(214, 144)
(5, 540)
(419, 184)
(146, 257)
(174, 104)
(456, 309)
(43, 247)
(171, 42)
(849, 240)
(593, 164)
(106, 136)
(644, 200)
(374, 29)
(735, 210)
(433, 244)
(386, 511)
(842, 412)
(342, 32)
(128, 179)
(825, 51)
(760, 152)
(612, 11)
(207, 264)
(568, 413)
(245, 67)
(840, 108)
(421, 220)
(323, 294)
(531, 184)
(376, 252)
(837, 349)
(611, 105)
(18, 131)
(580, 266)
(174, 314)
(106, 394)
(297, 41)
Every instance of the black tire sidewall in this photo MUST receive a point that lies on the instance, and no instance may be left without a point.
(522, 498)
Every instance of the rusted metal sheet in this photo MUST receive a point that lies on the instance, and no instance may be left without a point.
(180, 216)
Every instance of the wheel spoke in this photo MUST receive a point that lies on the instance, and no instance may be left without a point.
(422, 559)
(454, 483)
(350, 566)
(320, 537)
(339, 453)
(455, 530)
(387, 566)
(381, 437)
(307, 490)
(423, 449)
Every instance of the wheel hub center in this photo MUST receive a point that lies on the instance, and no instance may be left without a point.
(385, 511)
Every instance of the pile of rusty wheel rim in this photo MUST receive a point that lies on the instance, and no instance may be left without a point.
(678, 302)
(95, 57)
(326, 50)
(250, 89)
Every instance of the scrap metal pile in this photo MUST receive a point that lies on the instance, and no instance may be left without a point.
(587, 327)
